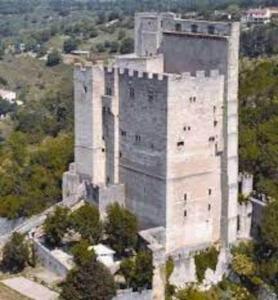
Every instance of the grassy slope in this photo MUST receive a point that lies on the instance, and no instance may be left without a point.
(27, 74)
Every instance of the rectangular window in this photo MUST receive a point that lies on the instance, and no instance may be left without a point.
(185, 197)
(211, 29)
(108, 91)
(178, 27)
(194, 28)
(209, 191)
(180, 143)
(211, 139)
(150, 96)
(185, 213)
(131, 92)
(137, 138)
(209, 207)
(123, 133)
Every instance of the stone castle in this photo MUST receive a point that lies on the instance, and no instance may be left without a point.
(158, 132)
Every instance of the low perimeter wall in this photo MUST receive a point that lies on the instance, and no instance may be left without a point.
(130, 295)
(50, 262)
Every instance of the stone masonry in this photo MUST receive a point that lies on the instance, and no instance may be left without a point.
(158, 131)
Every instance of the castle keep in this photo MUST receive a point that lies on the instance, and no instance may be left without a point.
(158, 131)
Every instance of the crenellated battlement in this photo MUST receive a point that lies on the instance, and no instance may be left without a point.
(215, 74)
(137, 73)
(212, 74)
(83, 67)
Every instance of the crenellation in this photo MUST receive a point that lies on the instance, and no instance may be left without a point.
(200, 74)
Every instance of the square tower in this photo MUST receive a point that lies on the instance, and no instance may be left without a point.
(163, 122)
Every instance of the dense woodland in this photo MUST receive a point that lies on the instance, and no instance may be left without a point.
(36, 139)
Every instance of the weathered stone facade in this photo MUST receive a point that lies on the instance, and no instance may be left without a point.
(158, 131)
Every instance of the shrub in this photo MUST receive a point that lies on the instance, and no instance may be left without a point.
(53, 58)
(169, 288)
(127, 46)
(55, 226)
(100, 47)
(15, 253)
(138, 272)
(204, 260)
(70, 45)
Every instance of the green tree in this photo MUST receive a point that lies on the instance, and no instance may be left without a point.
(121, 228)
(86, 221)
(91, 281)
(17, 148)
(53, 58)
(121, 34)
(127, 46)
(191, 293)
(243, 265)
(81, 253)
(127, 270)
(269, 225)
(100, 47)
(138, 271)
(70, 45)
(16, 253)
(204, 260)
(56, 225)
(143, 271)
(114, 46)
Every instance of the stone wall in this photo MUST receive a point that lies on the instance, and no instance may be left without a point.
(102, 196)
(147, 64)
(143, 123)
(7, 226)
(244, 220)
(50, 262)
(194, 141)
(130, 295)
(259, 203)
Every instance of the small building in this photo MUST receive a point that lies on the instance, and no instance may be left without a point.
(82, 53)
(8, 95)
(257, 16)
(104, 254)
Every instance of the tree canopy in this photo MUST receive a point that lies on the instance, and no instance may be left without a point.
(86, 221)
(56, 225)
(15, 253)
(91, 281)
(121, 228)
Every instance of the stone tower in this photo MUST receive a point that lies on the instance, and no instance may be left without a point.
(158, 130)
(88, 147)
